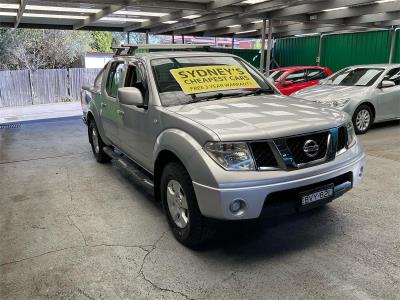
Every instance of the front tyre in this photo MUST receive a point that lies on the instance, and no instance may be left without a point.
(97, 143)
(362, 119)
(180, 205)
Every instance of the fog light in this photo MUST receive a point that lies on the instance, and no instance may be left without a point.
(237, 207)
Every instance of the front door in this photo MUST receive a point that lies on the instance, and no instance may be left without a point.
(297, 80)
(388, 99)
(136, 130)
(109, 105)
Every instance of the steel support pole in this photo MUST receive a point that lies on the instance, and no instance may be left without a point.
(320, 49)
(183, 39)
(173, 38)
(147, 37)
(268, 64)
(262, 58)
(392, 45)
(233, 42)
(128, 37)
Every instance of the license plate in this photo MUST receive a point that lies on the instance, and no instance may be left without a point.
(316, 195)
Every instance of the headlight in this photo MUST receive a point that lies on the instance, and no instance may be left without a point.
(231, 156)
(351, 135)
(338, 103)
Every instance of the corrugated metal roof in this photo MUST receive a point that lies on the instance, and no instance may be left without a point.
(201, 17)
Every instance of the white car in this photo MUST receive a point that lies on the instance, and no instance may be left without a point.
(368, 93)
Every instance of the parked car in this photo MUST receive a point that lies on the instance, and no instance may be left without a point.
(368, 93)
(292, 79)
(217, 140)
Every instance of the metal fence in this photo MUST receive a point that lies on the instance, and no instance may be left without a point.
(25, 87)
(338, 51)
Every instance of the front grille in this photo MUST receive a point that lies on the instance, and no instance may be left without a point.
(299, 151)
(263, 155)
(342, 138)
(296, 146)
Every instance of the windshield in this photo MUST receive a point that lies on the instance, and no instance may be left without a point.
(275, 75)
(172, 91)
(354, 77)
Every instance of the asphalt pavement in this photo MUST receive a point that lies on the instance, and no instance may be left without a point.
(71, 228)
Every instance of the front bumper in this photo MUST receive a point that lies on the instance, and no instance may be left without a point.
(215, 202)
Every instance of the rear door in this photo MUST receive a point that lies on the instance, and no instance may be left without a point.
(298, 80)
(388, 99)
(108, 105)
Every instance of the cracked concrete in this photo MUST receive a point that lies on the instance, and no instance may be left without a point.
(74, 229)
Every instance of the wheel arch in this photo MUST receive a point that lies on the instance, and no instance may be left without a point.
(89, 117)
(178, 145)
(371, 106)
(164, 157)
(93, 116)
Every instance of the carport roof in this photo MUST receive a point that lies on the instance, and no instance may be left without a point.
(241, 18)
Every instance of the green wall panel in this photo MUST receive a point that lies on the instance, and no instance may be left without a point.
(252, 56)
(343, 50)
(301, 51)
(338, 50)
(396, 54)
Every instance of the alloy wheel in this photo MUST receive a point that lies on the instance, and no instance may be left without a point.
(177, 204)
(363, 120)
(95, 140)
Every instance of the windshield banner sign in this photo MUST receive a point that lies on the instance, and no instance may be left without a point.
(203, 79)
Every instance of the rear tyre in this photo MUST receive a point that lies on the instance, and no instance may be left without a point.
(362, 119)
(180, 205)
(97, 143)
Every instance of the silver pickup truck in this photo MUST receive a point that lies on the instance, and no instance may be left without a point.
(218, 140)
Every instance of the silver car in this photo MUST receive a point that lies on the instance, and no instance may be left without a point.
(368, 93)
(228, 154)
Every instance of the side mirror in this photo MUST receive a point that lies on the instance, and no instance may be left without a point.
(130, 96)
(387, 84)
(287, 83)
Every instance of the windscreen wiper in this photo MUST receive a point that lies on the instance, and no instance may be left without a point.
(217, 96)
(259, 92)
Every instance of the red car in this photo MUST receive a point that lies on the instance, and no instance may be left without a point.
(291, 79)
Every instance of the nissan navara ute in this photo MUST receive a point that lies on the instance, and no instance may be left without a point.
(217, 139)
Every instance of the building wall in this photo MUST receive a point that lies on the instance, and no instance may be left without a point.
(95, 60)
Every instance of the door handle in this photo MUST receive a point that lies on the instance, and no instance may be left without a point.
(120, 112)
(103, 104)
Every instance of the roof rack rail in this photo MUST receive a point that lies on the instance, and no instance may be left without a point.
(119, 50)
(129, 50)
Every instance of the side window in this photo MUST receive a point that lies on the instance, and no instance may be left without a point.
(135, 77)
(393, 75)
(297, 77)
(114, 78)
(316, 74)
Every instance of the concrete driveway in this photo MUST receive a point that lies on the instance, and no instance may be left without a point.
(74, 229)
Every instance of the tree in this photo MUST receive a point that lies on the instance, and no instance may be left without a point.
(43, 48)
(34, 49)
(136, 38)
(101, 41)
(7, 42)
